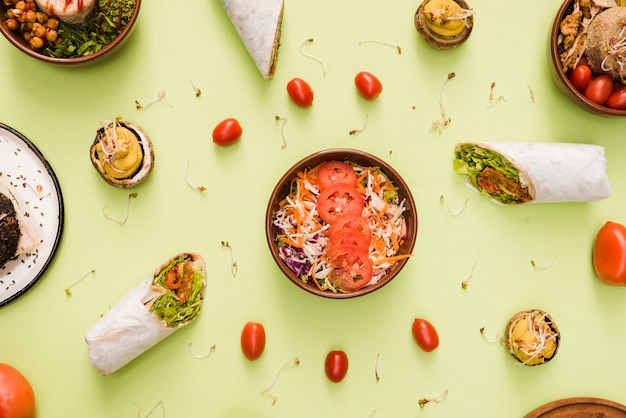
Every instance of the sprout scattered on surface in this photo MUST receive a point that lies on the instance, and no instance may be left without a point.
(68, 292)
(376, 367)
(197, 90)
(543, 267)
(265, 392)
(121, 221)
(154, 407)
(313, 57)
(233, 263)
(492, 95)
(445, 119)
(437, 399)
(457, 212)
(363, 41)
(161, 95)
(199, 188)
(201, 356)
(357, 131)
(465, 282)
(283, 122)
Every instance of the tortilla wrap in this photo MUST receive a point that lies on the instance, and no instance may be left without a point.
(536, 172)
(258, 23)
(131, 327)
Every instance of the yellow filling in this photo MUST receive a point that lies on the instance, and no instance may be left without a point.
(533, 340)
(119, 151)
(444, 17)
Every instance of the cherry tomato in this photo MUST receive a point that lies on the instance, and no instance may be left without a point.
(335, 172)
(338, 199)
(352, 267)
(253, 340)
(300, 92)
(617, 99)
(347, 236)
(17, 398)
(336, 366)
(227, 132)
(352, 221)
(425, 334)
(368, 85)
(580, 77)
(599, 89)
(609, 254)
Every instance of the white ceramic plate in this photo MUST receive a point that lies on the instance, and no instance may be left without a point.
(35, 186)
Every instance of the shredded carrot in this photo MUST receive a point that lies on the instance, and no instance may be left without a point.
(392, 259)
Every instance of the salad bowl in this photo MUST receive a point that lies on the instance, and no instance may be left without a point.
(578, 53)
(299, 264)
(86, 45)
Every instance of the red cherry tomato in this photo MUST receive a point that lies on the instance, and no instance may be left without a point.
(609, 254)
(336, 366)
(253, 340)
(580, 77)
(335, 172)
(300, 92)
(352, 267)
(227, 131)
(352, 221)
(339, 199)
(17, 398)
(617, 99)
(599, 89)
(425, 334)
(368, 85)
(347, 236)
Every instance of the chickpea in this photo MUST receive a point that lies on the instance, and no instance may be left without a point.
(39, 30)
(30, 16)
(20, 5)
(51, 35)
(35, 42)
(41, 17)
(12, 24)
(15, 13)
(52, 23)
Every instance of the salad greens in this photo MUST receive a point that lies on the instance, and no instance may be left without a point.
(167, 308)
(108, 20)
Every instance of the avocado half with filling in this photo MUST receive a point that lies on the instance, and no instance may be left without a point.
(122, 153)
(444, 24)
(532, 337)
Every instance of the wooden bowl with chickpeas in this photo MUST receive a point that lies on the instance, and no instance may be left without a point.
(68, 32)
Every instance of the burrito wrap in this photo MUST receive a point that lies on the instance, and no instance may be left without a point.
(258, 24)
(549, 171)
(130, 328)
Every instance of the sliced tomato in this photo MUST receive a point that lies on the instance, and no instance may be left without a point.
(339, 199)
(347, 236)
(352, 267)
(335, 172)
(352, 221)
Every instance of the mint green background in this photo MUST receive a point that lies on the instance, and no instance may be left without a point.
(173, 45)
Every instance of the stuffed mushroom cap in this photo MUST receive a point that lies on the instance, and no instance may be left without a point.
(444, 24)
(532, 337)
(122, 153)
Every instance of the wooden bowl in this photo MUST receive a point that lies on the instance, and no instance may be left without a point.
(361, 158)
(16, 38)
(560, 77)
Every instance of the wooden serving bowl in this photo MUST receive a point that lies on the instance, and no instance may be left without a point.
(364, 159)
(16, 38)
(560, 77)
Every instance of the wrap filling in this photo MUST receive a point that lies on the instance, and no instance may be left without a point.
(492, 174)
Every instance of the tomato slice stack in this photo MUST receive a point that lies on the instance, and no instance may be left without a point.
(341, 206)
